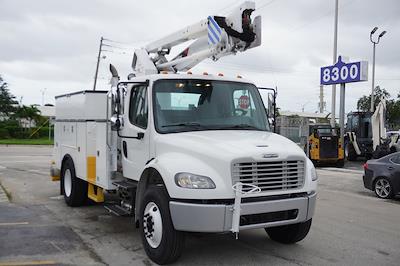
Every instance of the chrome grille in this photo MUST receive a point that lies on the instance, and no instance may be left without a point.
(280, 175)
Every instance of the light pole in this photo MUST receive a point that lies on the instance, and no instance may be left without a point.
(43, 91)
(335, 41)
(373, 63)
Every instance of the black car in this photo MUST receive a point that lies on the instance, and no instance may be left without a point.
(383, 175)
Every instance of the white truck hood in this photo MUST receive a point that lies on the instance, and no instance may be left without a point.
(228, 145)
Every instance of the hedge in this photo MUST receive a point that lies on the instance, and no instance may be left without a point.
(12, 131)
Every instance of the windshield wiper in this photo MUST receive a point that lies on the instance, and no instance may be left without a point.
(241, 126)
(186, 124)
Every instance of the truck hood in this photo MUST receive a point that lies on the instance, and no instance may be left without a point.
(227, 145)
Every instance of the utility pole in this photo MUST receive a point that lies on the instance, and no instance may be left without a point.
(97, 65)
(321, 98)
(373, 64)
(335, 32)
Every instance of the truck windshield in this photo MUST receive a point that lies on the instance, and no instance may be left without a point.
(193, 105)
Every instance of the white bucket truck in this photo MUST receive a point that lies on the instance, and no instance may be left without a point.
(185, 152)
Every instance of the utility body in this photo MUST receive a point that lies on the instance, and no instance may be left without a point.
(184, 152)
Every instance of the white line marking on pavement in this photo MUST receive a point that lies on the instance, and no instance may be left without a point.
(17, 223)
(57, 197)
(2, 167)
(37, 172)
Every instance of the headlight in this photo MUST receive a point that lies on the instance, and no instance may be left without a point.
(188, 180)
(314, 175)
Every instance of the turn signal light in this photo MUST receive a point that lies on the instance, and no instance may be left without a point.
(365, 166)
(220, 74)
(205, 73)
(189, 73)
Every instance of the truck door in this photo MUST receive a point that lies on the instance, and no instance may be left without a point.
(135, 134)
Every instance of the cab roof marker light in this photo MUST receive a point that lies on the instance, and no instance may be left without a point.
(189, 73)
(205, 73)
(239, 77)
(220, 74)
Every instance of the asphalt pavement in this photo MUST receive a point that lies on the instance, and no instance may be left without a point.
(350, 227)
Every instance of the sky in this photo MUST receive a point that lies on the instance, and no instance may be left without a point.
(49, 47)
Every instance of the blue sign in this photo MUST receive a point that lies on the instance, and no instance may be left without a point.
(344, 72)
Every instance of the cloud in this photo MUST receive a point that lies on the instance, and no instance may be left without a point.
(53, 44)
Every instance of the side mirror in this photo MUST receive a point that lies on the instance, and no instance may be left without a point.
(140, 135)
(116, 122)
(270, 104)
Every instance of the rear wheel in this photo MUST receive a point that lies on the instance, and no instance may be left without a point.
(289, 234)
(162, 243)
(350, 152)
(383, 188)
(340, 163)
(73, 188)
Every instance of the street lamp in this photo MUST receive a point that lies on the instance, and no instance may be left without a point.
(43, 92)
(373, 62)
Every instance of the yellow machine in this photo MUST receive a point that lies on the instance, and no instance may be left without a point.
(324, 145)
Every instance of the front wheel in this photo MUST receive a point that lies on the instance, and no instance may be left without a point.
(383, 188)
(162, 243)
(289, 234)
(350, 152)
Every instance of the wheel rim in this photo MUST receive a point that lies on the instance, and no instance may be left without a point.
(152, 224)
(67, 183)
(382, 188)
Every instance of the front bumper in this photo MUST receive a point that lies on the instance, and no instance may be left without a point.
(194, 217)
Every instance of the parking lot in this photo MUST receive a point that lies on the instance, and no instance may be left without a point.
(351, 226)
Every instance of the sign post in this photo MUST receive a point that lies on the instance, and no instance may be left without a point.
(342, 73)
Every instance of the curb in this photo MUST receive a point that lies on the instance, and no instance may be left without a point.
(351, 171)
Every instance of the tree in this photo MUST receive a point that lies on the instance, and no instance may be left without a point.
(392, 106)
(7, 100)
(393, 113)
(30, 113)
(364, 103)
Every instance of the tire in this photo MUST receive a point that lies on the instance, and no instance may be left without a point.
(165, 246)
(73, 188)
(340, 163)
(289, 234)
(383, 188)
(351, 154)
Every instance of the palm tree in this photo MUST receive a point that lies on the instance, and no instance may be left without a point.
(29, 113)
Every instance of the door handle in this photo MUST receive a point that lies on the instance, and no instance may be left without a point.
(124, 149)
(390, 168)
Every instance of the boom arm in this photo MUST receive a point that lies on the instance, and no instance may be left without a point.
(213, 38)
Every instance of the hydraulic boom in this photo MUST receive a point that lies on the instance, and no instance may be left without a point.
(213, 38)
